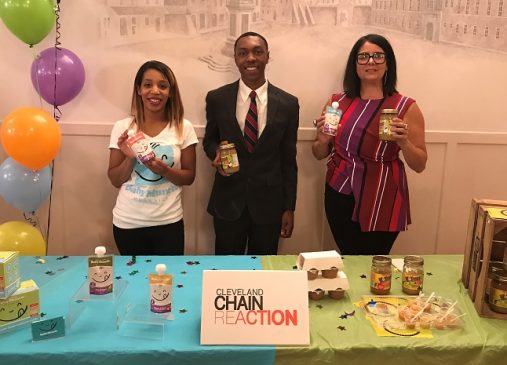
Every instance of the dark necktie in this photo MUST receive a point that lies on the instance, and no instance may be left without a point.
(251, 127)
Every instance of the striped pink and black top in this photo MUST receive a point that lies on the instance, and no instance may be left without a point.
(370, 169)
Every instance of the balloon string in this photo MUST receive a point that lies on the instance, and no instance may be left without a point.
(56, 112)
(36, 58)
(52, 167)
(31, 218)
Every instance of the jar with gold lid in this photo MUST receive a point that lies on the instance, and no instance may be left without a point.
(498, 291)
(386, 117)
(229, 157)
(494, 267)
(381, 273)
(413, 274)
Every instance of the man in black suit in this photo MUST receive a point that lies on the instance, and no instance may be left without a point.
(254, 206)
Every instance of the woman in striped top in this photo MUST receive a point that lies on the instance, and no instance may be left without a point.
(366, 198)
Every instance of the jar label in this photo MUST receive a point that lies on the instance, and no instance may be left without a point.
(412, 282)
(498, 297)
(380, 281)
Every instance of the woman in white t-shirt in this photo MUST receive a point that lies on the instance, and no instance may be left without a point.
(148, 215)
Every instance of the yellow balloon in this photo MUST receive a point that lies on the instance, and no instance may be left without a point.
(22, 237)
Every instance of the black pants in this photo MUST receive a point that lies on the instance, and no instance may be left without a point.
(234, 237)
(163, 240)
(347, 234)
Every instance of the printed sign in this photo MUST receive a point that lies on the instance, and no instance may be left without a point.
(254, 308)
(48, 328)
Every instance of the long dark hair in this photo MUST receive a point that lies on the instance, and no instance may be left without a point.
(352, 83)
(173, 111)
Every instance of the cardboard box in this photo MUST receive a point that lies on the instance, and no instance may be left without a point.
(9, 273)
(319, 260)
(322, 260)
(488, 249)
(22, 305)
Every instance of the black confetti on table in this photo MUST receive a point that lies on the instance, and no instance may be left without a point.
(134, 272)
(396, 277)
(62, 257)
(179, 286)
(319, 306)
(345, 315)
(130, 263)
(49, 272)
(429, 273)
(183, 272)
(294, 267)
(213, 269)
(341, 328)
(42, 314)
(363, 276)
(253, 257)
(117, 277)
(190, 263)
(79, 301)
(148, 260)
(183, 311)
(197, 263)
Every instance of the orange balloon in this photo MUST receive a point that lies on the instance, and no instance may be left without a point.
(31, 136)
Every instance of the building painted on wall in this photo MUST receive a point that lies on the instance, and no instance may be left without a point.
(476, 23)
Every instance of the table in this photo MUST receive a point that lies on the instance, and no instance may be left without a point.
(480, 341)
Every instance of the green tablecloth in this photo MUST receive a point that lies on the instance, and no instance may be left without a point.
(351, 340)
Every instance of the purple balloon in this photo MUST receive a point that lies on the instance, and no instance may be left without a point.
(70, 75)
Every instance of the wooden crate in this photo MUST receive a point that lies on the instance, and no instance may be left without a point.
(471, 233)
(490, 244)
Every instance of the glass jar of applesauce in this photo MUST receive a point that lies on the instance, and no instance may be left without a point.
(494, 267)
(498, 292)
(384, 129)
(229, 157)
(413, 275)
(381, 272)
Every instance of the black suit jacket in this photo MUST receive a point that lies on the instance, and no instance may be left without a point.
(267, 178)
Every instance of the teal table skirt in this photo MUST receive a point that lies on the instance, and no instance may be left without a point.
(335, 338)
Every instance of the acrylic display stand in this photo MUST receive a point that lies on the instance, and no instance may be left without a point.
(98, 311)
(136, 320)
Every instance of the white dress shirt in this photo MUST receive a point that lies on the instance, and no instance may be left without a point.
(243, 104)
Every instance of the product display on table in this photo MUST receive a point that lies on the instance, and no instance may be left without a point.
(21, 307)
(340, 332)
(9, 273)
(161, 285)
(485, 267)
(410, 316)
(100, 272)
(324, 274)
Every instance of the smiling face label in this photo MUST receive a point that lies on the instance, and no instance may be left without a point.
(22, 305)
(161, 293)
(100, 274)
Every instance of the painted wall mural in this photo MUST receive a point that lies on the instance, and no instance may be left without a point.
(451, 53)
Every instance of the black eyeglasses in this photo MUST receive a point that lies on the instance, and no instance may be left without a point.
(378, 57)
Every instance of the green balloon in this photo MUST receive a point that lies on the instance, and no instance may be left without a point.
(29, 20)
